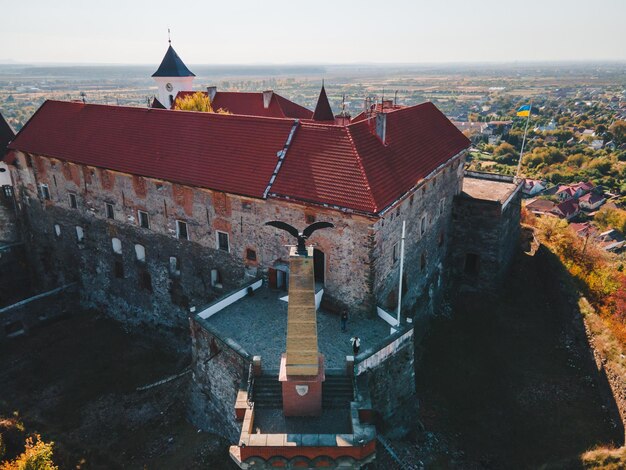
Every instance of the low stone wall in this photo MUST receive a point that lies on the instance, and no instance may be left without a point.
(19, 318)
(219, 369)
(391, 380)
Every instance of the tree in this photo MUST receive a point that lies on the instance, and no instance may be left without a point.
(37, 455)
(505, 153)
(199, 102)
(618, 129)
(611, 218)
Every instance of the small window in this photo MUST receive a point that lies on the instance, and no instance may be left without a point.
(250, 254)
(246, 206)
(118, 268)
(309, 218)
(116, 243)
(171, 100)
(140, 253)
(423, 225)
(441, 238)
(471, 263)
(395, 252)
(222, 242)
(73, 203)
(216, 278)
(411, 199)
(442, 206)
(174, 266)
(109, 211)
(57, 230)
(80, 234)
(44, 192)
(423, 261)
(145, 280)
(144, 221)
(181, 230)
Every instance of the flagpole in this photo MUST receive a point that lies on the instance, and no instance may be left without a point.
(401, 273)
(521, 154)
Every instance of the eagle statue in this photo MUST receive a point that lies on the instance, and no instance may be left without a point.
(300, 236)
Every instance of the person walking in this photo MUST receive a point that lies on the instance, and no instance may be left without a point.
(344, 320)
(356, 344)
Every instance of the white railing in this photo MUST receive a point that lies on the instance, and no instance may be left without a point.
(383, 353)
(226, 301)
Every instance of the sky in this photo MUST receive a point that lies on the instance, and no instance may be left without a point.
(312, 32)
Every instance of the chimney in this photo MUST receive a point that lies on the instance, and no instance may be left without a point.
(381, 126)
(267, 97)
(212, 91)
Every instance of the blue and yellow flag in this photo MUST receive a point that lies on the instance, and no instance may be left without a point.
(524, 110)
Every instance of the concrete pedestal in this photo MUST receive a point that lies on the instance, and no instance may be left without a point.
(302, 395)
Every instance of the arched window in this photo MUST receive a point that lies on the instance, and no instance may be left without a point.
(216, 278)
(140, 252)
(80, 234)
(57, 230)
(116, 243)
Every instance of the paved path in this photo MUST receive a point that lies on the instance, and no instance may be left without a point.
(259, 325)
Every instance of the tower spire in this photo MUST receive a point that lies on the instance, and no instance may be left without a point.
(169, 37)
(323, 111)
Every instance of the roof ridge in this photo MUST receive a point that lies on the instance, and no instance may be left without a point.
(362, 169)
(281, 157)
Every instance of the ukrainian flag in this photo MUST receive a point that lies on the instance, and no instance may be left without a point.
(524, 110)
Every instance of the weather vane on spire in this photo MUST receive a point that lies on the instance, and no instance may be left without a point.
(169, 37)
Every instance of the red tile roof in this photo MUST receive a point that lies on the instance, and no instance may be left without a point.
(251, 104)
(6, 135)
(567, 208)
(199, 149)
(345, 166)
(350, 164)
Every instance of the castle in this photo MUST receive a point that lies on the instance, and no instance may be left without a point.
(158, 215)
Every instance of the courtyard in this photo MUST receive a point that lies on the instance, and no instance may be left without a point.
(258, 323)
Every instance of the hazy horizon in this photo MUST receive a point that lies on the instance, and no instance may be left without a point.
(331, 33)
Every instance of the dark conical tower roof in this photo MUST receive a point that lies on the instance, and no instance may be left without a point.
(323, 111)
(172, 66)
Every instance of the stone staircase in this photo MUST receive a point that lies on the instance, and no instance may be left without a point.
(337, 392)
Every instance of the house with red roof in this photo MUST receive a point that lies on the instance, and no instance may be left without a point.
(576, 190)
(567, 209)
(591, 201)
(533, 187)
(540, 207)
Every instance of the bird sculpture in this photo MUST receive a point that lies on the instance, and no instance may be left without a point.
(300, 236)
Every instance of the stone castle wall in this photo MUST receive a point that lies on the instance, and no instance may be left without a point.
(92, 262)
(425, 273)
(219, 371)
(490, 232)
(359, 269)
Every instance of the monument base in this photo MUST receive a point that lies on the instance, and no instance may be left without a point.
(302, 395)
